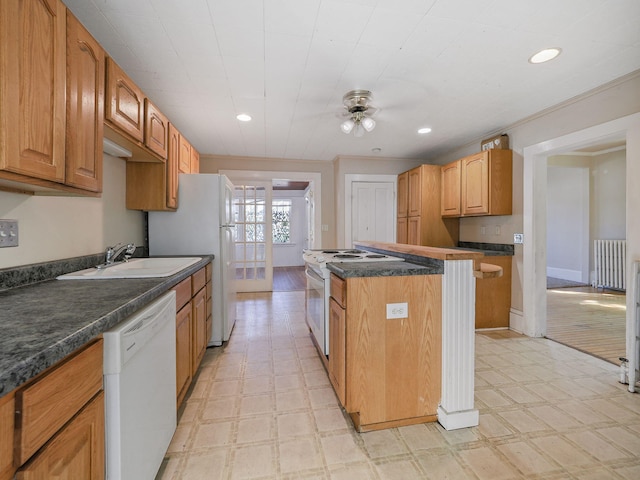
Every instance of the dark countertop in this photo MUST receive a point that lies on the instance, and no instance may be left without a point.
(488, 249)
(383, 269)
(43, 322)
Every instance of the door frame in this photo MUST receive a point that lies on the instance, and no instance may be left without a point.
(315, 185)
(534, 316)
(349, 180)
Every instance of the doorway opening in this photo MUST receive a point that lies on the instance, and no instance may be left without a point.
(534, 319)
(295, 199)
(586, 202)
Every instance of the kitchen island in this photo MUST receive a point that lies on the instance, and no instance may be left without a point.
(409, 341)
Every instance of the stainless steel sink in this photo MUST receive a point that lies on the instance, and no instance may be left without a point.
(136, 268)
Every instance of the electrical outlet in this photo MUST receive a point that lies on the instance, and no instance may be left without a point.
(8, 233)
(498, 230)
(483, 230)
(397, 310)
(518, 238)
(324, 227)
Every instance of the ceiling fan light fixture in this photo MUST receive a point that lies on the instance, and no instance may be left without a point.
(347, 126)
(368, 123)
(356, 103)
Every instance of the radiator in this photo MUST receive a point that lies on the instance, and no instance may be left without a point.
(610, 258)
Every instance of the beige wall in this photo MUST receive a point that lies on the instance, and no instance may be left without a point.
(606, 103)
(215, 163)
(54, 227)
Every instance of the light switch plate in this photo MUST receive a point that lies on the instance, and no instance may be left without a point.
(8, 233)
(397, 310)
(518, 238)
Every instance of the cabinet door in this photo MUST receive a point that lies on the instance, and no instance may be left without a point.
(85, 108)
(199, 329)
(77, 451)
(183, 352)
(125, 102)
(172, 167)
(475, 184)
(415, 192)
(450, 188)
(337, 349)
(7, 414)
(413, 230)
(195, 160)
(184, 160)
(401, 230)
(403, 194)
(32, 88)
(156, 129)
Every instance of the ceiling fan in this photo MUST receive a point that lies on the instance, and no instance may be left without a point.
(359, 112)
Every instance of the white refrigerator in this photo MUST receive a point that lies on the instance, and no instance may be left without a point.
(203, 224)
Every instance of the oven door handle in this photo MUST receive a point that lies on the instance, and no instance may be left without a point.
(313, 275)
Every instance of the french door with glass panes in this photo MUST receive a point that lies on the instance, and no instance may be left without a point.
(252, 212)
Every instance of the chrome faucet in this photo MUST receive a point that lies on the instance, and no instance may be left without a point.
(112, 254)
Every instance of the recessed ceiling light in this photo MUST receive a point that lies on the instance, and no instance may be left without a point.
(545, 55)
(243, 117)
(424, 130)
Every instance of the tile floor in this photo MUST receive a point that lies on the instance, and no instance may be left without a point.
(262, 407)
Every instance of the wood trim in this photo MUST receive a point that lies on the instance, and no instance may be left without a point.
(371, 427)
(422, 251)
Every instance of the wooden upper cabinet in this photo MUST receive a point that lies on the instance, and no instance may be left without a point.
(125, 102)
(195, 160)
(403, 193)
(156, 129)
(487, 183)
(32, 88)
(85, 108)
(184, 160)
(450, 189)
(415, 192)
(475, 184)
(172, 167)
(480, 184)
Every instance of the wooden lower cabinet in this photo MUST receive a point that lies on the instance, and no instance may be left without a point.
(199, 308)
(392, 367)
(337, 332)
(193, 327)
(53, 426)
(183, 352)
(493, 296)
(77, 451)
(7, 414)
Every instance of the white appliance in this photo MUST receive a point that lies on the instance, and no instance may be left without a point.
(203, 224)
(140, 390)
(318, 286)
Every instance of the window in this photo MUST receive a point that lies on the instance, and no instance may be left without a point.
(281, 219)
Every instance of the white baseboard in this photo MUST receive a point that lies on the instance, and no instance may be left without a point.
(516, 320)
(565, 274)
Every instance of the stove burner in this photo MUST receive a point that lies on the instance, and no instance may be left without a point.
(375, 255)
(345, 255)
(330, 251)
(353, 251)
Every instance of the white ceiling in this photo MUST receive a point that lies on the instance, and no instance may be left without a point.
(457, 66)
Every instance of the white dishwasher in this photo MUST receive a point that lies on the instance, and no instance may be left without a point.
(140, 390)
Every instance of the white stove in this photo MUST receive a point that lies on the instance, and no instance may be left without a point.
(318, 259)
(318, 286)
